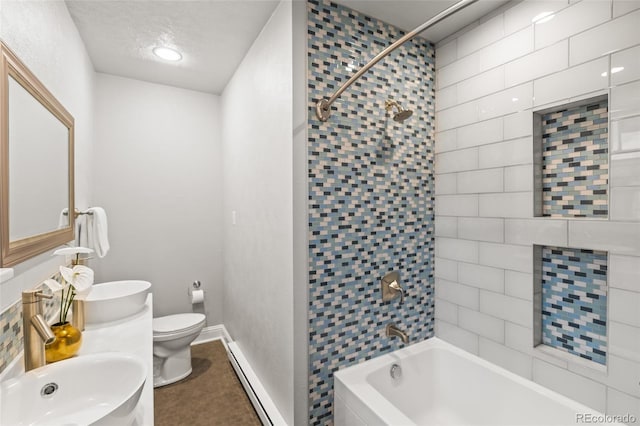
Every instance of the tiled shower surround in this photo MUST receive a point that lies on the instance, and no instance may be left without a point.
(492, 80)
(575, 161)
(574, 301)
(371, 195)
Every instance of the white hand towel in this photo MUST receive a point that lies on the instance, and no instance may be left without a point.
(98, 231)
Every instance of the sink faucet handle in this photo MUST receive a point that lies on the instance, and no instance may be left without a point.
(34, 296)
(40, 295)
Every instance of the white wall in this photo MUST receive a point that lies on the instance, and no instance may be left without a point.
(258, 266)
(158, 174)
(45, 38)
(490, 78)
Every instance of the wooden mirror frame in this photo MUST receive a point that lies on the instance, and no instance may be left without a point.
(14, 252)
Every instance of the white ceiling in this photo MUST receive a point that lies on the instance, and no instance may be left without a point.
(409, 14)
(214, 35)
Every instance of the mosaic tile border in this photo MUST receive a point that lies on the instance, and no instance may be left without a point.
(574, 302)
(371, 195)
(10, 334)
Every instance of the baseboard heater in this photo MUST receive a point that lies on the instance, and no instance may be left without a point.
(262, 403)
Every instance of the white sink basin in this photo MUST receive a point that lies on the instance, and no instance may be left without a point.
(100, 389)
(115, 300)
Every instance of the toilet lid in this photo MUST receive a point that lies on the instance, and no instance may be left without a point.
(178, 322)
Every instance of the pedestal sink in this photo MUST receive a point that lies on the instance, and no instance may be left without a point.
(100, 389)
(115, 300)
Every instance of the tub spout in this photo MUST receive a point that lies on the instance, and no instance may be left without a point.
(393, 331)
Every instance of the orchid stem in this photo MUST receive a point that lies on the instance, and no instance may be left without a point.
(61, 306)
(70, 295)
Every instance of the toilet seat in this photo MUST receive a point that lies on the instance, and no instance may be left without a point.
(172, 326)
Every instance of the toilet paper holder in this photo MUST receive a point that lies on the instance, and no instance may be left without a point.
(196, 293)
(196, 285)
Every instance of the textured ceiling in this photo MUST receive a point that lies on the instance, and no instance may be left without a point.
(213, 37)
(409, 14)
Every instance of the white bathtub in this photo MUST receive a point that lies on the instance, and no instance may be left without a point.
(444, 385)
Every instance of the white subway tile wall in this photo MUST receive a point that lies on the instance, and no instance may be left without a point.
(518, 178)
(589, 392)
(481, 229)
(457, 336)
(447, 227)
(480, 133)
(483, 277)
(630, 58)
(492, 77)
(596, 42)
(479, 323)
(619, 403)
(563, 85)
(518, 284)
(510, 359)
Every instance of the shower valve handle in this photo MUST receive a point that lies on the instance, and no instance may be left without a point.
(395, 286)
(391, 288)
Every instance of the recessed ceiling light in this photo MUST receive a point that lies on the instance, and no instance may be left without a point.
(167, 54)
(543, 17)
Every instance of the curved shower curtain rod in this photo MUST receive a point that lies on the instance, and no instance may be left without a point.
(323, 107)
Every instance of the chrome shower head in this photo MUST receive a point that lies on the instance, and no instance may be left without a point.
(399, 116)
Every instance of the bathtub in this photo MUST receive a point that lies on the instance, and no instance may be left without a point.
(440, 384)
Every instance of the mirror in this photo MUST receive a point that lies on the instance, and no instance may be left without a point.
(36, 165)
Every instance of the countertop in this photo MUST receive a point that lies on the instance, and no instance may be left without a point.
(132, 335)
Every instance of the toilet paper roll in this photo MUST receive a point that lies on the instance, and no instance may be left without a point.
(197, 296)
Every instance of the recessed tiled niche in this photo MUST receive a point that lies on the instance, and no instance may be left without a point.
(572, 160)
(571, 301)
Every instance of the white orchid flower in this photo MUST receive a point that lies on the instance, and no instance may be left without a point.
(72, 250)
(54, 285)
(80, 277)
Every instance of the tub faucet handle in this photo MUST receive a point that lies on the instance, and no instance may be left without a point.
(391, 287)
(395, 286)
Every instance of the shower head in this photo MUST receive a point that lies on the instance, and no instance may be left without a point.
(402, 115)
(399, 116)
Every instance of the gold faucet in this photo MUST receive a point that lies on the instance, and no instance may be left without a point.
(35, 329)
(393, 331)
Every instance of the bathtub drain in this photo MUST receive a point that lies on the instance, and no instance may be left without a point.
(395, 372)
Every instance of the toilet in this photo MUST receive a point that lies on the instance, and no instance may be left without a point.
(172, 337)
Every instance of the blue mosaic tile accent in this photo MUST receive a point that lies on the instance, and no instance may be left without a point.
(11, 325)
(574, 302)
(575, 162)
(371, 195)
(10, 334)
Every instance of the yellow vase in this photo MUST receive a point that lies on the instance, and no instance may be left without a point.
(67, 343)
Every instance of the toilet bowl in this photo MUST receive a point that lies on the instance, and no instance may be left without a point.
(172, 337)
